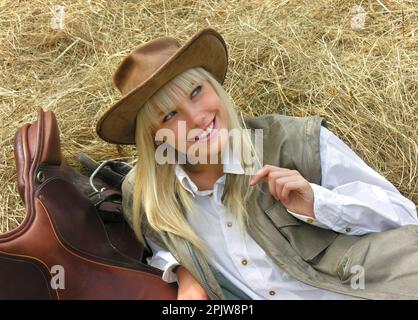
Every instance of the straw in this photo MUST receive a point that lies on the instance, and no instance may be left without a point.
(296, 58)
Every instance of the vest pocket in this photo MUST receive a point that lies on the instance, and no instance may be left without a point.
(307, 240)
(280, 220)
(352, 262)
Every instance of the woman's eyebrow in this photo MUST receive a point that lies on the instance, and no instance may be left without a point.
(160, 112)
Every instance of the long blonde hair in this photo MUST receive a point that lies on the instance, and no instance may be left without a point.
(158, 194)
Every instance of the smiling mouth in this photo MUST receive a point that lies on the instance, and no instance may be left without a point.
(207, 133)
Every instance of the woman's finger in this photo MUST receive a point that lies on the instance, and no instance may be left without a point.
(296, 185)
(272, 177)
(260, 174)
(280, 183)
(264, 172)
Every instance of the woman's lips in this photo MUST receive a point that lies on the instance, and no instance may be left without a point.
(210, 134)
(210, 124)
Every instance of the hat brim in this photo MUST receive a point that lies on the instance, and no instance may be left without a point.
(205, 49)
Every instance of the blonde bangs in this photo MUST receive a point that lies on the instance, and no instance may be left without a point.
(170, 95)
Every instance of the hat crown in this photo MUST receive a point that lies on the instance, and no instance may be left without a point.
(143, 62)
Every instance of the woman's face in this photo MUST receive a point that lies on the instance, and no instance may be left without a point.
(196, 123)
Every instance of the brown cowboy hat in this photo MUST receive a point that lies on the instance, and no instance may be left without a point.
(151, 65)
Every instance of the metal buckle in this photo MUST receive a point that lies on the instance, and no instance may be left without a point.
(94, 174)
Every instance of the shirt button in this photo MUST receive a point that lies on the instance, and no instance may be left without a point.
(244, 262)
(229, 224)
(309, 220)
(272, 292)
(348, 229)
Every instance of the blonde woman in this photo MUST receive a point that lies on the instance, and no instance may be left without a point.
(269, 207)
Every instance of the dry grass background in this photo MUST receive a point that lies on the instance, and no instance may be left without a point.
(292, 57)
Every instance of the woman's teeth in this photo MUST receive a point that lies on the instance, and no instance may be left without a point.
(207, 131)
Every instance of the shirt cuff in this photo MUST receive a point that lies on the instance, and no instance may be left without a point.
(164, 261)
(168, 274)
(310, 220)
(328, 210)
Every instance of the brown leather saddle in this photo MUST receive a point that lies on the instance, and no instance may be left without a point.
(73, 242)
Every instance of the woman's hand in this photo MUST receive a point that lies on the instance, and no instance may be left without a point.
(189, 288)
(288, 186)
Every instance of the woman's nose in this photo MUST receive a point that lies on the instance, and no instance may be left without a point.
(195, 118)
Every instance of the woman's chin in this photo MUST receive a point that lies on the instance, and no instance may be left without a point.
(212, 156)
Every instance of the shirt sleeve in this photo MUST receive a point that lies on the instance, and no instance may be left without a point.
(163, 260)
(353, 198)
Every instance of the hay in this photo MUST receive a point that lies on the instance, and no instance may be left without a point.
(292, 57)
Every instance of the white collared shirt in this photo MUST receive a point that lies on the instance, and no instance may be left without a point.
(352, 199)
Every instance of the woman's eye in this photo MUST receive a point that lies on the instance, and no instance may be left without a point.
(197, 89)
(167, 117)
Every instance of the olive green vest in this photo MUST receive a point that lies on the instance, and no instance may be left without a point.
(374, 266)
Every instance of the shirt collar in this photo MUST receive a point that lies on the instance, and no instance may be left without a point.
(230, 162)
